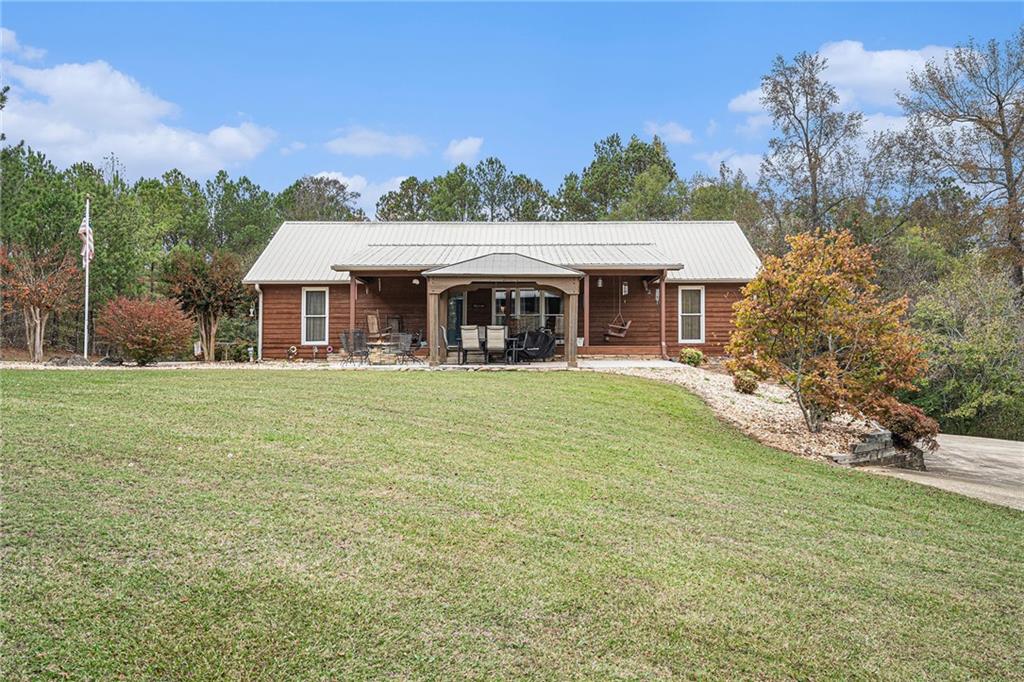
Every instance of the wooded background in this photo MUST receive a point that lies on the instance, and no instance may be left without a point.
(941, 200)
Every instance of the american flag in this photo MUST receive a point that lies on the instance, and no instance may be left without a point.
(85, 234)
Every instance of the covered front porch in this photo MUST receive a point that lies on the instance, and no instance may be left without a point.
(511, 301)
(605, 312)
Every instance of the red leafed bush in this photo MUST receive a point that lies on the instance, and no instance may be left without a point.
(909, 424)
(144, 330)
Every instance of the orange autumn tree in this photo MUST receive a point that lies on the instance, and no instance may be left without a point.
(814, 320)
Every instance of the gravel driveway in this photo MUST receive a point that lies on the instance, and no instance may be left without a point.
(985, 468)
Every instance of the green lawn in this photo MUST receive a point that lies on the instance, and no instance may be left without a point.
(487, 525)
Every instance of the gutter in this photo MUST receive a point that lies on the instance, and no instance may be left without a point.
(259, 327)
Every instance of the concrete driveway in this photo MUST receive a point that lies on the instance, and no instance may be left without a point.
(985, 468)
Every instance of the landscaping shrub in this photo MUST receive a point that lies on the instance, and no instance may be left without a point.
(815, 321)
(909, 425)
(144, 330)
(691, 356)
(745, 381)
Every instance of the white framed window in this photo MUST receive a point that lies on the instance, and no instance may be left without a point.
(691, 314)
(314, 316)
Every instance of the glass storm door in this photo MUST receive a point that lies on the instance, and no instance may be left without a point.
(456, 308)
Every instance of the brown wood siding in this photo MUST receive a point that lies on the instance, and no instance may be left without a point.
(282, 310)
(640, 307)
(718, 317)
(282, 318)
(392, 296)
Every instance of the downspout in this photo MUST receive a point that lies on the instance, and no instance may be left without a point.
(259, 327)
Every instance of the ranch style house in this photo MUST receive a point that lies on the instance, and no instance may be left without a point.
(596, 288)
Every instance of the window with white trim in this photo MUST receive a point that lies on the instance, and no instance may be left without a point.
(314, 316)
(691, 314)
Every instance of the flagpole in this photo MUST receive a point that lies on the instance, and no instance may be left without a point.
(85, 346)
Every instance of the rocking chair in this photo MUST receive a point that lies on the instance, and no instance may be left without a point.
(374, 329)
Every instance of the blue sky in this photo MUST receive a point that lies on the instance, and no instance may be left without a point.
(374, 93)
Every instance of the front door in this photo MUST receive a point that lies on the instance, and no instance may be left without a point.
(456, 309)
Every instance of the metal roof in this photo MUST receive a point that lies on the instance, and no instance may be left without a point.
(591, 256)
(304, 252)
(495, 264)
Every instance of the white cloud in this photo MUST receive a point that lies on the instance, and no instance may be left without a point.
(860, 76)
(750, 164)
(669, 131)
(9, 45)
(292, 147)
(747, 102)
(360, 141)
(76, 112)
(712, 128)
(369, 192)
(880, 122)
(863, 79)
(464, 150)
(872, 77)
(756, 120)
(754, 124)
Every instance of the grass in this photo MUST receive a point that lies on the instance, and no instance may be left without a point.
(362, 525)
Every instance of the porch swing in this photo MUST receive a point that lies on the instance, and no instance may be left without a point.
(618, 327)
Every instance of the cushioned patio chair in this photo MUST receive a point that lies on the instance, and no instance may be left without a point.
(495, 341)
(469, 342)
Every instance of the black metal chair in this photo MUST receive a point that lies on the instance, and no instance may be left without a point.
(360, 348)
(514, 347)
(404, 352)
(346, 347)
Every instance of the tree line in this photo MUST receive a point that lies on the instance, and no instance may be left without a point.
(940, 202)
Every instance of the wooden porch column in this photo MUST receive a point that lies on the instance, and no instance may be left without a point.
(586, 310)
(572, 329)
(433, 346)
(661, 287)
(353, 290)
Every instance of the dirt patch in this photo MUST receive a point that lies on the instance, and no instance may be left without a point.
(769, 416)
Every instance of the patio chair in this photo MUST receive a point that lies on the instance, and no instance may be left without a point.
(346, 347)
(446, 347)
(514, 347)
(404, 352)
(374, 329)
(495, 341)
(469, 342)
(360, 350)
